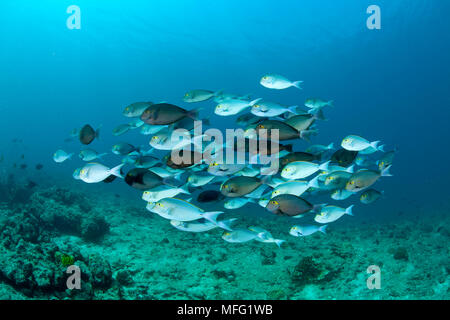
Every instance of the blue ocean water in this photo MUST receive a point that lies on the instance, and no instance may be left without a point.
(390, 84)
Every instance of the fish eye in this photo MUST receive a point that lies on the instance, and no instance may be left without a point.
(186, 94)
(256, 106)
(226, 234)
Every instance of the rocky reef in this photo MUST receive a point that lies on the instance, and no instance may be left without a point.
(124, 252)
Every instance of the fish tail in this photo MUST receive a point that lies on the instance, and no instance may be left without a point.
(385, 172)
(193, 114)
(381, 148)
(97, 132)
(317, 114)
(212, 216)
(375, 144)
(297, 84)
(323, 229)
(351, 169)
(226, 224)
(279, 242)
(70, 155)
(116, 170)
(252, 103)
(292, 109)
(330, 103)
(306, 134)
(330, 146)
(314, 182)
(324, 166)
(349, 210)
(185, 188)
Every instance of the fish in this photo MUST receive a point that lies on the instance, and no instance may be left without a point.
(365, 178)
(210, 196)
(224, 169)
(181, 210)
(386, 160)
(341, 194)
(123, 148)
(344, 157)
(145, 161)
(247, 119)
(198, 95)
(303, 231)
(233, 106)
(315, 103)
(121, 129)
(163, 191)
(165, 141)
(165, 173)
(87, 134)
(330, 214)
(370, 196)
(236, 203)
(296, 188)
(337, 179)
(165, 113)
(265, 236)
(271, 109)
(148, 129)
(76, 174)
(96, 172)
(357, 143)
(60, 156)
(136, 109)
(285, 131)
(143, 179)
(301, 122)
(200, 179)
(319, 149)
(23, 166)
(184, 159)
(278, 82)
(288, 205)
(240, 235)
(201, 225)
(297, 156)
(39, 166)
(239, 186)
(135, 123)
(90, 155)
(302, 169)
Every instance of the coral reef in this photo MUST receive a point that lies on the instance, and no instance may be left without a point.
(124, 252)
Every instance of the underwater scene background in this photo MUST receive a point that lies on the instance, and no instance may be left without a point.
(389, 84)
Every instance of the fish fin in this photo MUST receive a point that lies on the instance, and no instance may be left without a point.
(212, 216)
(324, 166)
(292, 109)
(287, 147)
(297, 84)
(314, 182)
(226, 224)
(375, 144)
(323, 229)
(330, 146)
(116, 170)
(193, 114)
(385, 172)
(351, 169)
(306, 134)
(279, 242)
(349, 210)
(185, 188)
(252, 103)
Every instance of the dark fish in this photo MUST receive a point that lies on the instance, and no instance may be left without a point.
(298, 156)
(39, 166)
(88, 134)
(117, 195)
(301, 122)
(188, 124)
(192, 158)
(143, 179)
(343, 157)
(165, 113)
(23, 166)
(210, 196)
(286, 132)
(248, 119)
(288, 205)
(22, 156)
(240, 186)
